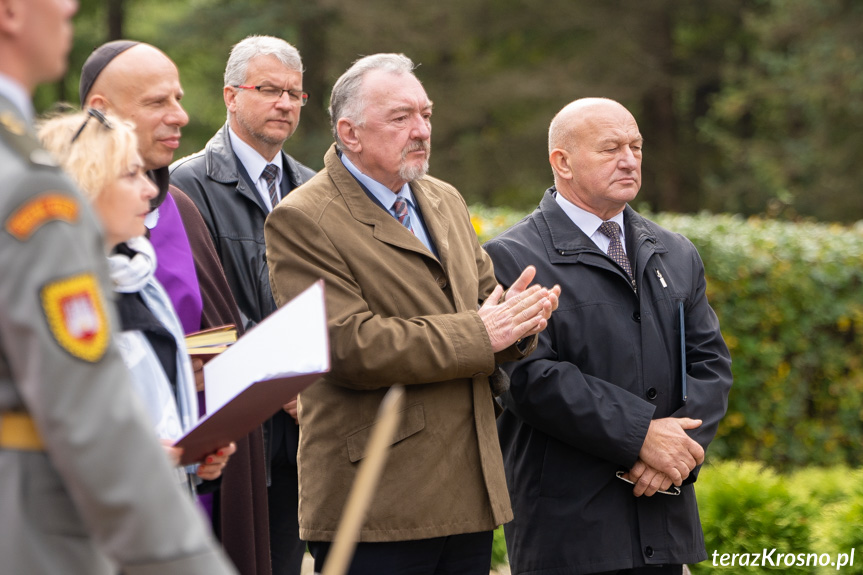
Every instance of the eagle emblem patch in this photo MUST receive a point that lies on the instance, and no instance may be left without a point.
(76, 316)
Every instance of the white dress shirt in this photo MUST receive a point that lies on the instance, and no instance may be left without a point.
(589, 223)
(255, 164)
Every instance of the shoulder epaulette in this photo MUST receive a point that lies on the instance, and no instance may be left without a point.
(16, 134)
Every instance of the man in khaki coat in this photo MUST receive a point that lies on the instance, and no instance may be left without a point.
(411, 299)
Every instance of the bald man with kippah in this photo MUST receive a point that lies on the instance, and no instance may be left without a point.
(139, 82)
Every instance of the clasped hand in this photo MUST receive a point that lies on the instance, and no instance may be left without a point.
(523, 312)
(667, 456)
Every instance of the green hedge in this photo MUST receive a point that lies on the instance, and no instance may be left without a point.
(814, 515)
(789, 297)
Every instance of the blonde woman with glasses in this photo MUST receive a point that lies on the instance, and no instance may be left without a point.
(101, 154)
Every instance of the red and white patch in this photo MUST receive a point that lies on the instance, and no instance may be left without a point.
(76, 316)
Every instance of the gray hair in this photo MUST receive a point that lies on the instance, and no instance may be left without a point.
(244, 51)
(347, 99)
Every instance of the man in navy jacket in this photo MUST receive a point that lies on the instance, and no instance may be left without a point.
(630, 379)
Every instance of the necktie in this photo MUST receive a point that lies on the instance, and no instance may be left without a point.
(615, 248)
(400, 207)
(271, 174)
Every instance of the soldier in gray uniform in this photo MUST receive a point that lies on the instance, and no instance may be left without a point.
(85, 487)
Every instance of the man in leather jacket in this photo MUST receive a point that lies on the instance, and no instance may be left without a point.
(235, 181)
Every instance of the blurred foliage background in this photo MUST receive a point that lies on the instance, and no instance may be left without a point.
(813, 514)
(747, 106)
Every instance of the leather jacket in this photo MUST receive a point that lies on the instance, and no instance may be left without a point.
(235, 213)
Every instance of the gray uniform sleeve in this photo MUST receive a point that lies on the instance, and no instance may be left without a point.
(56, 320)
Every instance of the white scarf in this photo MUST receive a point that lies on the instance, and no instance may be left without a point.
(130, 275)
(171, 418)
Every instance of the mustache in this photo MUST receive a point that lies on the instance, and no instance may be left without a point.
(170, 133)
(417, 146)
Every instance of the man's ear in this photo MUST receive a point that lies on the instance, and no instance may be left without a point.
(559, 160)
(229, 94)
(347, 132)
(97, 101)
(11, 16)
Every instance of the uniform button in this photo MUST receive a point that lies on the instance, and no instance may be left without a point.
(651, 393)
(636, 316)
(648, 551)
(441, 282)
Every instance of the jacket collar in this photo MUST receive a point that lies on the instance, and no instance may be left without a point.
(19, 135)
(162, 178)
(222, 166)
(17, 98)
(563, 239)
(387, 228)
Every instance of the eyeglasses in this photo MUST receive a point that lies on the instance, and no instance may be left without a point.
(273, 94)
(673, 490)
(93, 113)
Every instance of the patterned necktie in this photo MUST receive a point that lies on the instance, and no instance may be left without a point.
(615, 248)
(271, 174)
(400, 207)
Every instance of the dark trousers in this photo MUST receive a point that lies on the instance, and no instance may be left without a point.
(466, 554)
(649, 570)
(286, 548)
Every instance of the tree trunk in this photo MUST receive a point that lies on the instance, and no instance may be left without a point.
(661, 153)
(315, 20)
(116, 14)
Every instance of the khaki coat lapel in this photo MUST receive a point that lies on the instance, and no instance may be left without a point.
(363, 209)
(436, 224)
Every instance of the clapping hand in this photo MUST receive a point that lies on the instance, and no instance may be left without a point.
(524, 311)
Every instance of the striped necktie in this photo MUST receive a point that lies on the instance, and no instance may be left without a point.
(400, 208)
(271, 174)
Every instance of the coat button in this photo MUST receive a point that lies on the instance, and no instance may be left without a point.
(648, 551)
(441, 282)
(651, 393)
(636, 316)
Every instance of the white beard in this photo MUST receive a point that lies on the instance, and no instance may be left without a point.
(411, 173)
